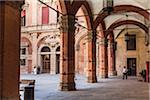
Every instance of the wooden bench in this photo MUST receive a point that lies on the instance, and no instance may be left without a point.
(26, 82)
(27, 88)
(29, 82)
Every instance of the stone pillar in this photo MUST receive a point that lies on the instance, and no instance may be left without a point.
(34, 50)
(10, 13)
(97, 57)
(77, 49)
(53, 62)
(67, 57)
(111, 60)
(92, 57)
(103, 60)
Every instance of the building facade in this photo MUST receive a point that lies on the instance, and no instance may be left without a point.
(41, 38)
(95, 40)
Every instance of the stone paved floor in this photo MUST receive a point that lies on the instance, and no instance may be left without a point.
(114, 88)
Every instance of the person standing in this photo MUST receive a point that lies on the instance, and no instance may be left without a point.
(35, 70)
(125, 72)
(38, 70)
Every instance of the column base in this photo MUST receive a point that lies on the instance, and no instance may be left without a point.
(114, 73)
(110, 74)
(92, 80)
(103, 76)
(67, 86)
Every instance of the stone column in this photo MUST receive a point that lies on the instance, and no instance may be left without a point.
(67, 57)
(111, 55)
(92, 57)
(97, 57)
(103, 60)
(34, 50)
(10, 13)
(53, 62)
(77, 49)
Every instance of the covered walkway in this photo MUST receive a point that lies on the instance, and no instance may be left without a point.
(114, 88)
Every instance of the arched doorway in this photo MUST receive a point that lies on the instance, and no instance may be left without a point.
(58, 60)
(45, 59)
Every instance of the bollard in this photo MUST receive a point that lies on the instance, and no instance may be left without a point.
(29, 92)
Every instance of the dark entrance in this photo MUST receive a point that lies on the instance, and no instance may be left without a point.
(57, 63)
(45, 59)
(58, 60)
(46, 63)
(131, 65)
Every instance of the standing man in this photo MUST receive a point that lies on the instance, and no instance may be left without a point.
(125, 72)
(35, 70)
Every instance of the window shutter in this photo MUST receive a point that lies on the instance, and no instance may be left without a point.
(45, 15)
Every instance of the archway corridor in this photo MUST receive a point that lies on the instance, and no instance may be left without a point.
(75, 50)
(114, 88)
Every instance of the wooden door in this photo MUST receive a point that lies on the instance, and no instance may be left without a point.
(46, 63)
(131, 65)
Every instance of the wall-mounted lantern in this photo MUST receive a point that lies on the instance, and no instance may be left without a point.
(126, 37)
(108, 5)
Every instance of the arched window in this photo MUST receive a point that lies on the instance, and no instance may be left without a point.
(45, 49)
(58, 48)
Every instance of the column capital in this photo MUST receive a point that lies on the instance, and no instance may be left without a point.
(91, 34)
(103, 41)
(34, 35)
(67, 22)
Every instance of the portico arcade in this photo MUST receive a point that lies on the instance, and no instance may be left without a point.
(100, 29)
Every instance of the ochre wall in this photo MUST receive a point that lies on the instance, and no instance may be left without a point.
(140, 53)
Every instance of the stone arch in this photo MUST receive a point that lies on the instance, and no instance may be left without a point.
(124, 8)
(117, 24)
(87, 11)
(89, 17)
(41, 46)
(79, 39)
(44, 36)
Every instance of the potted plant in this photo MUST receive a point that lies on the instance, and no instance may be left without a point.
(143, 74)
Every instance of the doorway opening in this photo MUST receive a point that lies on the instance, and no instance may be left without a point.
(45, 57)
(58, 60)
(131, 65)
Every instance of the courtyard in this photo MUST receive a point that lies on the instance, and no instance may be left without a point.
(113, 88)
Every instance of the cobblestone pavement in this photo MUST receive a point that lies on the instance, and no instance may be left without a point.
(114, 88)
